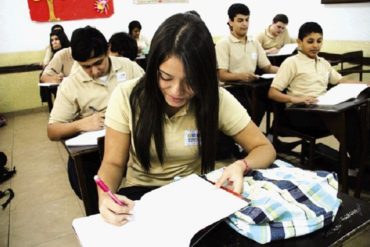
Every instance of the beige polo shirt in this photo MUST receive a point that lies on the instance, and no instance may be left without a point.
(268, 41)
(62, 62)
(79, 92)
(304, 76)
(236, 57)
(181, 144)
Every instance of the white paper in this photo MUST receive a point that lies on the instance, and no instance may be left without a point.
(85, 139)
(168, 216)
(340, 93)
(48, 84)
(267, 76)
(287, 49)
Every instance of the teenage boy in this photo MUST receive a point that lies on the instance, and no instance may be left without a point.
(238, 55)
(276, 35)
(306, 76)
(83, 96)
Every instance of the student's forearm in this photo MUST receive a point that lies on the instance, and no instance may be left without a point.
(278, 96)
(261, 156)
(111, 174)
(49, 78)
(59, 131)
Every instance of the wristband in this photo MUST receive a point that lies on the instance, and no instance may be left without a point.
(245, 164)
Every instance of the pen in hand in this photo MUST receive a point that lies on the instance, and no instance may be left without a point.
(105, 188)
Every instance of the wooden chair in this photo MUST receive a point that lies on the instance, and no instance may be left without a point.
(352, 62)
(282, 128)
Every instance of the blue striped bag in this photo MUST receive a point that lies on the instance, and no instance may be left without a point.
(285, 202)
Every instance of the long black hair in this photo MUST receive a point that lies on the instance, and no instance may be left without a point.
(63, 39)
(187, 38)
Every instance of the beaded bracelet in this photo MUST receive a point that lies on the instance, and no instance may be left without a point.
(246, 167)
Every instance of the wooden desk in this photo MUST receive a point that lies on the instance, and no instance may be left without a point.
(353, 217)
(334, 117)
(253, 96)
(77, 154)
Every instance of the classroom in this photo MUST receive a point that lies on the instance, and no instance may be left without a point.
(44, 204)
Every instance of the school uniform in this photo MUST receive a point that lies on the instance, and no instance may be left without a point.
(182, 155)
(62, 62)
(301, 76)
(269, 41)
(239, 57)
(78, 95)
(79, 92)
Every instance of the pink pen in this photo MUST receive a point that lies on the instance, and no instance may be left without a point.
(105, 188)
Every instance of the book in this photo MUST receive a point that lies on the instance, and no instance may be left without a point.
(168, 216)
(86, 139)
(287, 49)
(343, 92)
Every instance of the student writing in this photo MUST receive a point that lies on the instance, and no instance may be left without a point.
(165, 124)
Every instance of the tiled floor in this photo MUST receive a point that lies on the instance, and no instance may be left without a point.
(44, 204)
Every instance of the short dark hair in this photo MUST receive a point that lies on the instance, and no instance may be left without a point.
(307, 28)
(192, 12)
(237, 8)
(280, 17)
(57, 27)
(64, 41)
(124, 45)
(132, 25)
(88, 42)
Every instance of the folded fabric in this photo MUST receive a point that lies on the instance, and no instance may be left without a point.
(285, 202)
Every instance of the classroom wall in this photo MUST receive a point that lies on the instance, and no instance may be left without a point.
(22, 41)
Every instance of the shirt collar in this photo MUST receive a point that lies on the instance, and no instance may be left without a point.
(236, 40)
(115, 66)
(306, 58)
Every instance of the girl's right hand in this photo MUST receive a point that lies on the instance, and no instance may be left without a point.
(114, 213)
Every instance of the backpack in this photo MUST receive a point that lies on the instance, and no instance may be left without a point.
(5, 174)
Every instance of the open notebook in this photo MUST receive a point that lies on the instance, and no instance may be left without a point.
(168, 216)
(86, 139)
(343, 92)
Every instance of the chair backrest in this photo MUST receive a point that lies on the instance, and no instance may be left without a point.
(352, 62)
(332, 58)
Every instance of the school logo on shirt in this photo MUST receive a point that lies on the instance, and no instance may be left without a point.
(121, 76)
(191, 137)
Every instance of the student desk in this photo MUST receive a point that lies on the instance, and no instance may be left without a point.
(352, 219)
(334, 117)
(77, 154)
(46, 90)
(253, 96)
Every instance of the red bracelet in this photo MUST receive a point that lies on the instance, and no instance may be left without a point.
(246, 167)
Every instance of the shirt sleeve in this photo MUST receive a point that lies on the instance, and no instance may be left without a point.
(233, 117)
(284, 76)
(55, 65)
(263, 61)
(118, 114)
(65, 110)
(222, 54)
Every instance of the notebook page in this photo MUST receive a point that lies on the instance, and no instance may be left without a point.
(168, 216)
(340, 93)
(85, 139)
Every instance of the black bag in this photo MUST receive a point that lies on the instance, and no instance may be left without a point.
(5, 173)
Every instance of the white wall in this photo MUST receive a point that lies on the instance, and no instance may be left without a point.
(339, 21)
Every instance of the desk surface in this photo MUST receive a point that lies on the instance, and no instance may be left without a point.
(353, 216)
(327, 108)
